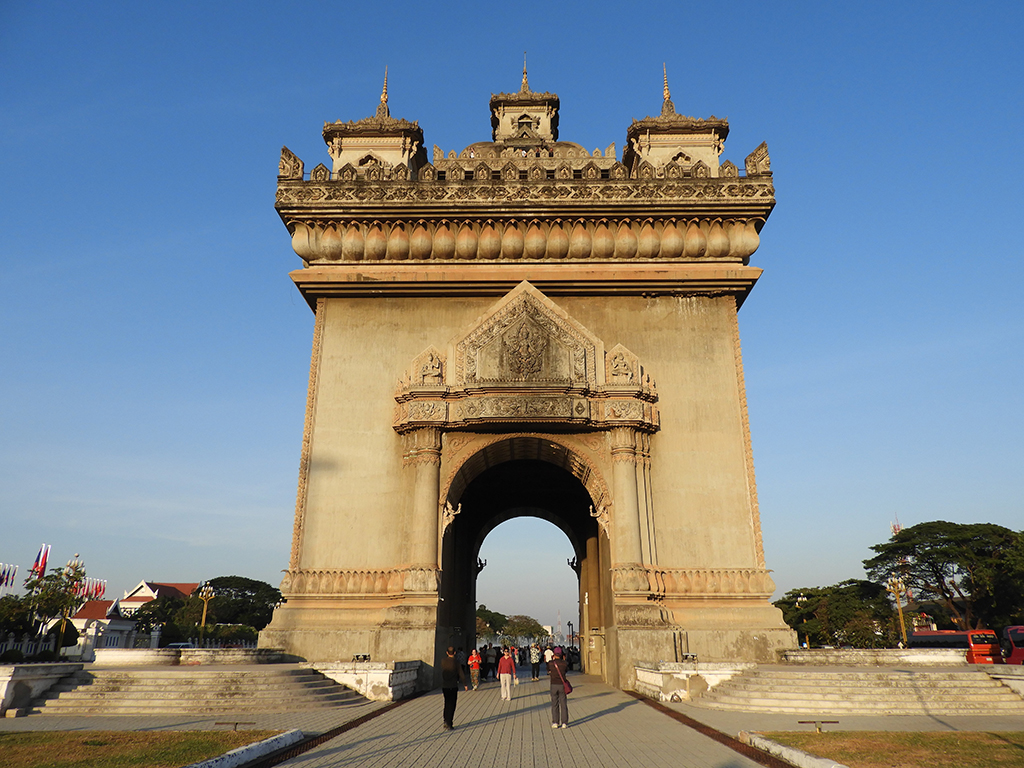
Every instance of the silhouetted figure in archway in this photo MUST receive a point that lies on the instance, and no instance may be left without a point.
(451, 676)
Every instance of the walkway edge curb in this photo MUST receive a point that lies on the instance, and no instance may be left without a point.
(242, 755)
(287, 753)
(797, 757)
(747, 750)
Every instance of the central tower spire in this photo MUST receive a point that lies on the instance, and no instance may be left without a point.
(667, 107)
(382, 108)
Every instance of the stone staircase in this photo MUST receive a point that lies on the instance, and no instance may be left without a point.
(864, 691)
(225, 689)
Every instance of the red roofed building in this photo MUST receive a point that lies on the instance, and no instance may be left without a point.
(101, 624)
(151, 590)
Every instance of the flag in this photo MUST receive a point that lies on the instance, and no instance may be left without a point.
(39, 566)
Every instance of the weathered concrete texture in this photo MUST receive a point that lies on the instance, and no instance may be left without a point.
(243, 755)
(173, 657)
(375, 680)
(882, 657)
(21, 684)
(796, 757)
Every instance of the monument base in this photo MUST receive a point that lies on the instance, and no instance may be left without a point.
(705, 629)
(326, 630)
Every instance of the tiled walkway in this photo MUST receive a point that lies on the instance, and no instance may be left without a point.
(607, 728)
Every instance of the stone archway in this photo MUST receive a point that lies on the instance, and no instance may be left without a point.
(495, 479)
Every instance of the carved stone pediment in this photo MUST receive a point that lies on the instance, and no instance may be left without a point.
(524, 340)
(526, 361)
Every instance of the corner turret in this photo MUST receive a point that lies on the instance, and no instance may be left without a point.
(694, 144)
(395, 145)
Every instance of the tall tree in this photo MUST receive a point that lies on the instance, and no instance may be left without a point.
(496, 621)
(240, 600)
(968, 568)
(853, 612)
(521, 627)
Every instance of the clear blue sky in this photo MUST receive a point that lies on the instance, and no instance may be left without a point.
(154, 353)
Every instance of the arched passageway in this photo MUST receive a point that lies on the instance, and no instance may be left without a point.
(518, 477)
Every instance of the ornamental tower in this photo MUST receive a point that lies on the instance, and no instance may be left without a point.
(524, 327)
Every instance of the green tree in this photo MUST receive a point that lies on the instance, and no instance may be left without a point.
(57, 594)
(853, 612)
(496, 621)
(971, 569)
(161, 613)
(243, 601)
(15, 615)
(521, 627)
(482, 628)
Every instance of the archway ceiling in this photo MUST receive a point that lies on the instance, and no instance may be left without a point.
(513, 449)
(526, 487)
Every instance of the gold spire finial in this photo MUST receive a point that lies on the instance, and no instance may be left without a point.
(525, 87)
(382, 108)
(667, 107)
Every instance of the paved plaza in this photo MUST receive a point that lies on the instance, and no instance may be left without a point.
(607, 728)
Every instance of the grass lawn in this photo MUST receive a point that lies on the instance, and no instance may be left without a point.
(112, 749)
(900, 749)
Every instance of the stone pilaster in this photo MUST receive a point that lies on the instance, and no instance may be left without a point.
(423, 457)
(627, 553)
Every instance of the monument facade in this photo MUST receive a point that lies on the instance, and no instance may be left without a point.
(523, 327)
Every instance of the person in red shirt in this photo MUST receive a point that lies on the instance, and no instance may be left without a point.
(474, 668)
(506, 672)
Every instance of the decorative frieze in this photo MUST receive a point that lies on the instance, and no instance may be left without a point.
(728, 190)
(345, 239)
(327, 581)
(710, 582)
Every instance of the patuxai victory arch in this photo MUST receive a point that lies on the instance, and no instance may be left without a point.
(527, 328)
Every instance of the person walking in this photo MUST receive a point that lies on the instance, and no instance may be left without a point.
(506, 672)
(451, 676)
(559, 704)
(535, 662)
(548, 655)
(490, 661)
(474, 668)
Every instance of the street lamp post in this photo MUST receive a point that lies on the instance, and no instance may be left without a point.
(570, 631)
(206, 594)
(897, 587)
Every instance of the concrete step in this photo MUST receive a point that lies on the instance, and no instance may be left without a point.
(865, 696)
(867, 692)
(191, 690)
(883, 709)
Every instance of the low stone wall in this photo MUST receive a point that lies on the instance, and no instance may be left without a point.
(241, 756)
(791, 755)
(878, 657)
(683, 680)
(21, 684)
(376, 680)
(173, 657)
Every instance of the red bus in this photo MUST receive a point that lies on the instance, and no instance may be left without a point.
(1014, 645)
(982, 645)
